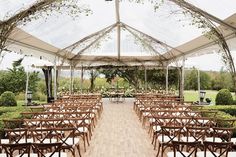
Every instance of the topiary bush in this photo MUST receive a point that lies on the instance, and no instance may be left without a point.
(8, 99)
(224, 97)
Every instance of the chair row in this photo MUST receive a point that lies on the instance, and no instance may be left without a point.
(168, 134)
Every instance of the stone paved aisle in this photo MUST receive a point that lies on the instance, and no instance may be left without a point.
(119, 133)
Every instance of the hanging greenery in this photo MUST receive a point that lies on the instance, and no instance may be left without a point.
(204, 21)
(40, 9)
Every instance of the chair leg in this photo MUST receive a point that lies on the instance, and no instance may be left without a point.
(162, 151)
(158, 151)
(78, 148)
(153, 136)
(87, 139)
(155, 141)
(84, 142)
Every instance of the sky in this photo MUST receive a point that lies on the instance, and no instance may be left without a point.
(62, 31)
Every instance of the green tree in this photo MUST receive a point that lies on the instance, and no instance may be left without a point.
(222, 80)
(93, 75)
(191, 80)
(130, 75)
(14, 79)
(155, 77)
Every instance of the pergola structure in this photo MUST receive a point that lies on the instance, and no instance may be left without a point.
(162, 54)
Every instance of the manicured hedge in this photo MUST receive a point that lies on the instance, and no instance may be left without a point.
(224, 97)
(8, 99)
(10, 113)
(230, 109)
(222, 114)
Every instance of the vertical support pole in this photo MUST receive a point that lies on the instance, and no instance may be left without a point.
(145, 78)
(27, 86)
(73, 78)
(81, 79)
(118, 40)
(181, 92)
(167, 79)
(71, 75)
(117, 4)
(55, 78)
(199, 85)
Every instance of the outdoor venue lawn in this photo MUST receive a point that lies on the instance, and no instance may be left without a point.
(191, 95)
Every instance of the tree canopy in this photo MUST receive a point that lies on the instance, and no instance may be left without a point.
(14, 79)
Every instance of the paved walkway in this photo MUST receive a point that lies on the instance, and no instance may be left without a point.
(119, 133)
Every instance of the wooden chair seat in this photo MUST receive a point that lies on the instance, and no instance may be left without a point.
(233, 140)
(56, 154)
(26, 140)
(208, 154)
(178, 154)
(27, 155)
(213, 139)
(4, 141)
(231, 154)
(47, 140)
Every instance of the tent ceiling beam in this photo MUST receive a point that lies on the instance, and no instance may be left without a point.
(143, 41)
(17, 42)
(191, 7)
(112, 67)
(95, 41)
(152, 38)
(87, 37)
(211, 43)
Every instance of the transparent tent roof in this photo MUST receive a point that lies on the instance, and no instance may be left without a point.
(165, 24)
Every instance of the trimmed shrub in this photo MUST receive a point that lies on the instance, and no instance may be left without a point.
(230, 109)
(224, 97)
(221, 118)
(20, 96)
(8, 99)
(42, 97)
(234, 102)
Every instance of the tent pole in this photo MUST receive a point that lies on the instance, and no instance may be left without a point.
(55, 78)
(199, 85)
(145, 78)
(182, 79)
(70, 79)
(117, 3)
(27, 86)
(82, 79)
(167, 79)
(72, 87)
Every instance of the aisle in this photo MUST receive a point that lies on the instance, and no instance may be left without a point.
(119, 133)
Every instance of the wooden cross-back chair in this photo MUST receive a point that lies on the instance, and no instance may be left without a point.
(204, 122)
(178, 150)
(17, 150)
(48, 149)
(167, 135)
(216, 149)
(195, 134)
(66, 136)
(18, 135)
(220, 134)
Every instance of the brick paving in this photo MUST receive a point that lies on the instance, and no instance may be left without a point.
(119, 133)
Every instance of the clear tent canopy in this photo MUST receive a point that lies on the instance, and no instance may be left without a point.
(147, 36)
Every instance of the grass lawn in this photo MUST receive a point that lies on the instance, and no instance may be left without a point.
(191, 95)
